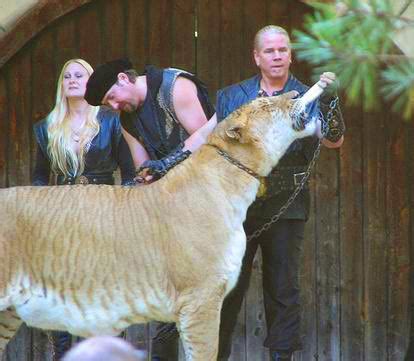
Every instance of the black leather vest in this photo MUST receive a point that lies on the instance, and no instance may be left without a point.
(155, 124)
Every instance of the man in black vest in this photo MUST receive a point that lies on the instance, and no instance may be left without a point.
(165, 115)
(164, 112)
(281, 244)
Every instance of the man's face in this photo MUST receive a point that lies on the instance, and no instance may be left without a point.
(273, 56)
(74, 81)
(121, 96)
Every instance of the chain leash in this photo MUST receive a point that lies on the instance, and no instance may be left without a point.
(332, 105)
(52, 345)
(236, 162)
(298, 189)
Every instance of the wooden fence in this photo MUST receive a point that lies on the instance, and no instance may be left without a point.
(359, 239)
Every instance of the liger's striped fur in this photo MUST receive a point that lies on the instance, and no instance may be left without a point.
(95, 259)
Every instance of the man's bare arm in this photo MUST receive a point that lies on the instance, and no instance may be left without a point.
(191, 115)
(138, 152)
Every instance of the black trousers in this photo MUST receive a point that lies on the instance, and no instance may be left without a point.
(62, 343)
(281, 250)
(164, 344)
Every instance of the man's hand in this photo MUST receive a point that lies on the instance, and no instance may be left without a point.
(326, 79)
(144, 176)
(334, 122)
(152, 170)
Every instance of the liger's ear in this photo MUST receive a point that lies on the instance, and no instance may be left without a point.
(234, 132)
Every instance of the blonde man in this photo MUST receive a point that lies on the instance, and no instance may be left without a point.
(281, 245)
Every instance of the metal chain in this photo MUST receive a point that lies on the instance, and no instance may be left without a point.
(298, 189)
(236, 162)
(333, 104)
(52, 345)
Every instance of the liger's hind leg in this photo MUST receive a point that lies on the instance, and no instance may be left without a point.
(9, 324)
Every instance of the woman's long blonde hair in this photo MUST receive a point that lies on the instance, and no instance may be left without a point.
(63, 158)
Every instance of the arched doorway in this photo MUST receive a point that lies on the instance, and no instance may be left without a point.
(355, 265)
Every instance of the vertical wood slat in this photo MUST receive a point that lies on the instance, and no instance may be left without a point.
(398, 237)
(66, 41)
(208, 44)
(251, 24)
(3, 129)
(43, 63)
(351, 233)
(255, 315)
(113, 30)
(328, 262)
(307, 284)
(20, 347)
(297, 11)
(231, 42)
(136, 33)
(65, 48)
(238, 346)
(183, 37)
(409, 145)
(19, 116)
(88, 25)
(18, 159)
(160, 33)
(279, 13)
(375, 243)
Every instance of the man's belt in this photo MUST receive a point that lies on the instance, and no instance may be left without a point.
(282, 179)
(104, 178)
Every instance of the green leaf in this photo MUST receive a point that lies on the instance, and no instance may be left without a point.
(359, 48)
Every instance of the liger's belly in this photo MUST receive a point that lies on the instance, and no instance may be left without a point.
(85, 316)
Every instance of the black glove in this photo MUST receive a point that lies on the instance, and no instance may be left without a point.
(39, 183)
(129, 183)
(333, 125)
(159, 168)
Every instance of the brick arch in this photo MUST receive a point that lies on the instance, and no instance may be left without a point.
(33, 22)
(355, 252)
(39, 17)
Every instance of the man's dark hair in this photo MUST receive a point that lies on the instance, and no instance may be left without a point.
(132, 75)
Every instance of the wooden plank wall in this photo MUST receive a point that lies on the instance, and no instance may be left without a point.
(356, 258)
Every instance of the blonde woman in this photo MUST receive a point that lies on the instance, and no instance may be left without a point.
(77, 142)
